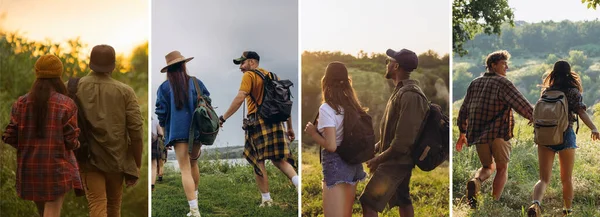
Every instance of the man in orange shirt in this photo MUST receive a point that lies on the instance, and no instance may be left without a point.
(264, 140)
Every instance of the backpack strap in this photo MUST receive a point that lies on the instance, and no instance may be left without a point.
(191, 136)
(264, 78)
(72, 85)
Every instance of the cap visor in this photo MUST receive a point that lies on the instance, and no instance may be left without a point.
(238, 60)
(390, 52)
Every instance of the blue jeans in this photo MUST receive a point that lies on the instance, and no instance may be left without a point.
(569, 141)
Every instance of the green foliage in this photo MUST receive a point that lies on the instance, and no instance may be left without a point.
(429, 190)
(367, 74)
(523, 174)
(225, 190)
(537, 40)
(470, 17)
(591, 3)
(17, 58)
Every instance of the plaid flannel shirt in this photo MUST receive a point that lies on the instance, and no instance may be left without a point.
(486, 112)
(46, 167)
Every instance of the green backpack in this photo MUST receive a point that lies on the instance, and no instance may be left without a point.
(205, 120)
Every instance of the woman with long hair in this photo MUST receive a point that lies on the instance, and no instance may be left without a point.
(43, 129)
(561, 78)
(339, 177)
(175, 104)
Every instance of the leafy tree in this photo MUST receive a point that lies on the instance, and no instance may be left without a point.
(591, 3)
(470, 17)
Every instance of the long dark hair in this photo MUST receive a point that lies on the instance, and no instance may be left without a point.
(178, 78)
(337, 90)
(40, 94)
(561, 77)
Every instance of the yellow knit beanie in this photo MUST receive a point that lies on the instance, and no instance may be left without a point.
(48, 66)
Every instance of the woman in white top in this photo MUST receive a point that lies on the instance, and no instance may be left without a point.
(339, 177)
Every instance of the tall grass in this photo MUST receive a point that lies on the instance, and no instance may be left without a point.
(523, 174)
(429, 190)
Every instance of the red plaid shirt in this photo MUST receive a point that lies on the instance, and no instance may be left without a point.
(486, 110)
(46, 167)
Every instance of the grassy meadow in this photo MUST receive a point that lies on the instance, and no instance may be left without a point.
(225, 190)
(523, 174)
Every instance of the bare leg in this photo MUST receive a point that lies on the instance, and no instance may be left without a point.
(183, 158)
(262, 181)
(52, 208)
(285, 167)
(338, 200)
(545, 159)
(566, 158)
(500, 180)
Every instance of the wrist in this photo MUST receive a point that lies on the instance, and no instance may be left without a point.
(222, 119)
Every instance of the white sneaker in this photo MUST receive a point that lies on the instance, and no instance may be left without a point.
(195, 212)
(266, 203)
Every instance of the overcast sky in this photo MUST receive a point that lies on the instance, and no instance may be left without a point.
(215, 32)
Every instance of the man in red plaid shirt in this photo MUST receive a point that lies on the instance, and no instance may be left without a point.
(486, 120)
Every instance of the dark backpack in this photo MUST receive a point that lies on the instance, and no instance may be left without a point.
(83, 152)
(277, 102)
(205, 120)
(358, 145)
(432, 145)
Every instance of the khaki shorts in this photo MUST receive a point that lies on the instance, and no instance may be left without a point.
(498, 151)
(389, 185)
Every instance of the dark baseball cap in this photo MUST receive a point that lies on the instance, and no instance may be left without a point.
(407, 59)
(246, 55)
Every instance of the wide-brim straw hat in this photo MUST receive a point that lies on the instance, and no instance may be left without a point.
(173, 58)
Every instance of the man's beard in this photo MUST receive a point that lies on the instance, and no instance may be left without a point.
(388, 75)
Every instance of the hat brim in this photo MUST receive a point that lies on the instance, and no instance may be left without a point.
(390, 53)
(239, 60)
(102, 68)
(164, 69)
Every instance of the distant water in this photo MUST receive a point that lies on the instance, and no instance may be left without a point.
(172, 161)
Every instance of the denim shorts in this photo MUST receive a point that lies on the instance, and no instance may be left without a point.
(337, 171)
(569, 141)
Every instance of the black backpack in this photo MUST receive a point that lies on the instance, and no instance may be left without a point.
(277, 102)
(82, 154)
(358, 145)
(432, 145)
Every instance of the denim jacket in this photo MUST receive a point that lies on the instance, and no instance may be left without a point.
(176, 123)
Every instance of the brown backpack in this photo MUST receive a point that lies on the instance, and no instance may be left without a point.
(550, 118)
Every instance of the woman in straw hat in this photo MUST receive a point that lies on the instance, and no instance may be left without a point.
(339, 177)
(43, 129)
(175, 104)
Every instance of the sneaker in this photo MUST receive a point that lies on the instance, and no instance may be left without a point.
(266, 203)
(472, 188)
(535, 210)
(195, 212)
(567, 212)
(160, 178)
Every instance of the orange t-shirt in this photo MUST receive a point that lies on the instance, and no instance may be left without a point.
(253, 84)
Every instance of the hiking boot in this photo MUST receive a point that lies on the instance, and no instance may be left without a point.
(535, 210)
(194, 212)
(567, 212)
(266, 203)
(472, 188)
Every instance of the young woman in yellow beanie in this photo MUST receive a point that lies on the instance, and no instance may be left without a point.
(43, 129)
